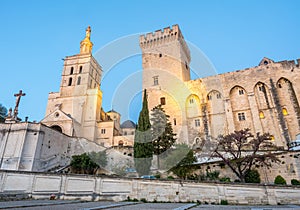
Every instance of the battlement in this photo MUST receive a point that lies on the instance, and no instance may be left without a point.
(159, 36)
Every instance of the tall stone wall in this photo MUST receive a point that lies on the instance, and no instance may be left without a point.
(288, 166)
(36, 147)
(38, 185)
(264, 98)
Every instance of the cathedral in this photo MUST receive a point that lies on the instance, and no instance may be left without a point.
(264, 98)
(76, 110)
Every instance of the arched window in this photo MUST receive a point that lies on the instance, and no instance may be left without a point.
(284, 111)
(78, 80)
(72, 70)
(70, 81)
(121, 143)
(80, 69)
(57, 128)
(261, 115)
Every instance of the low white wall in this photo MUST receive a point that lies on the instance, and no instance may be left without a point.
(39, 185)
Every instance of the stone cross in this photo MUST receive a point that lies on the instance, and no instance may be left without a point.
(18, 95)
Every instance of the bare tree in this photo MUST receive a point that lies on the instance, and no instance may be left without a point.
(241, 150)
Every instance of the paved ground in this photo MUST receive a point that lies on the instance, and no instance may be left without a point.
(78, 205)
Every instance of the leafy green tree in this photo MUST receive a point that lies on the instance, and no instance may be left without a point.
(252, 176)
(241, 150)
(100, 158)
(143, 148)
(162, 132)
(180, 160)
(83, 164)
(3, 113)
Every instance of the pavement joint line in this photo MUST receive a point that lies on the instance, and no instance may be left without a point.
(187, 206)
(39, 204)
(112, 206)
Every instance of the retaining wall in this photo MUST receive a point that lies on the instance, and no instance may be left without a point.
(85, 187)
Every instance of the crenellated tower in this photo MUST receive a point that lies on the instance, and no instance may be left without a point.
(166, 59)
(164, 50)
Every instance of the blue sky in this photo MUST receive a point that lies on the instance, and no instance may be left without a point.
(36, 35)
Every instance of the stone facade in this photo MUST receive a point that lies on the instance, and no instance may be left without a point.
(36, 147)
(288, 167)
(264, 98)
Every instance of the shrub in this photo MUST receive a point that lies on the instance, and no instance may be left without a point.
(252, 176)
(279, 180)
(157, 176)
(143, 200)
(170, 177)
(295, 182)
(225, 179)
(213, 175)
(224, 202)
(193, 177)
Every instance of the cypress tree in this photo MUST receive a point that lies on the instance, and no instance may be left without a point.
(162, 132)
(143, 148)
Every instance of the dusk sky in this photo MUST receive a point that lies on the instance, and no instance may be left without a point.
(37, 35)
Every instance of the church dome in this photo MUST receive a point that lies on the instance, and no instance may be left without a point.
(128, 124)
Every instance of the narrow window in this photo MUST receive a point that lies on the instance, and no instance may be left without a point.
(186, 66)
(174, 120)
(261, 88)
(132, 132)
(279, 85)
(261, 115)
(91, 83)
(191, 101)
(95, 85)
(125, 133)
(160, 55)
(241, 116)
(218, 95)
(78, 80)
(70, 81)
(197, 122)
(72, 70)
(209, 97)
(80, 69)
(241, 92)
(163, 101)
(284, 111)
(155, 80)
(102, 131)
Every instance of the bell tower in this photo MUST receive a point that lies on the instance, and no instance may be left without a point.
(76, 108)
